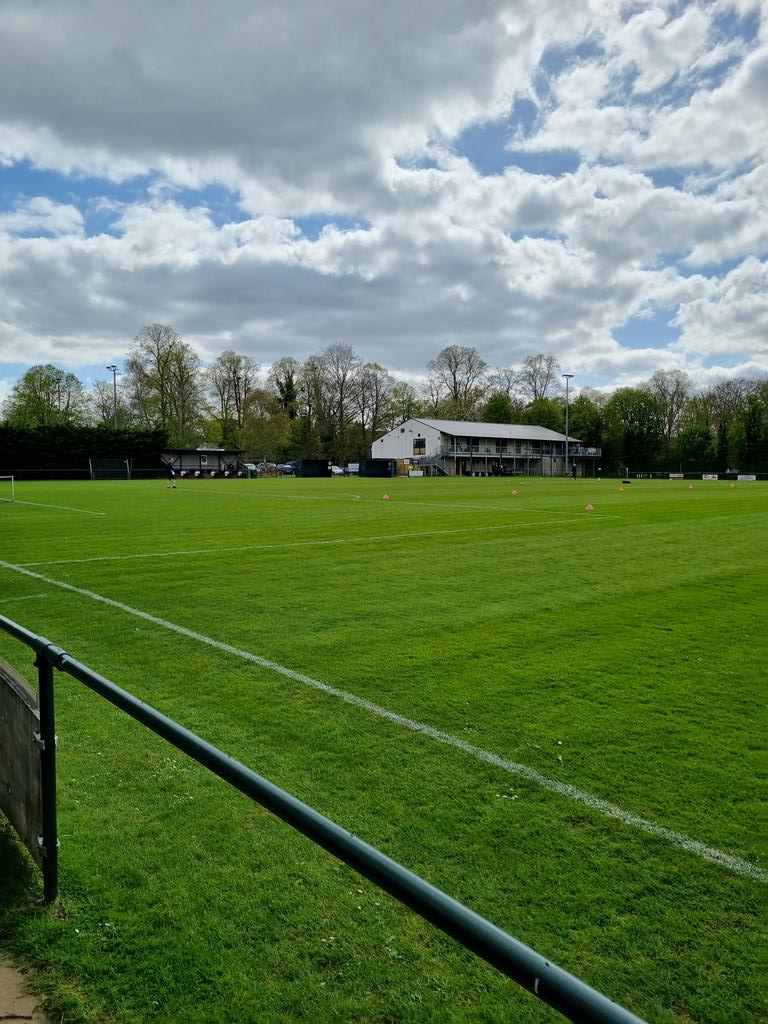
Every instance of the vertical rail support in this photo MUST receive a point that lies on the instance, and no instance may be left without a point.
(49, 843)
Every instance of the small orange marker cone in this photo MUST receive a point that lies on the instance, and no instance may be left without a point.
(590, 508)
(733, 485)
(621, 490)
(514, 491)
(385, 498)
(690, 487)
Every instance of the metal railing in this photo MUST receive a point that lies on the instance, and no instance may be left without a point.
(573, 998)
(519, 451)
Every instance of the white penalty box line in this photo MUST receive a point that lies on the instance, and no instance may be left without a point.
(61, 508)
(338, 541)
(604, 807)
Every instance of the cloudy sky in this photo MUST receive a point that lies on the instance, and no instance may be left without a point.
(583, 178)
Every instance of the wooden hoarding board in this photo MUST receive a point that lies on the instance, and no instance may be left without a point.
(20, 784)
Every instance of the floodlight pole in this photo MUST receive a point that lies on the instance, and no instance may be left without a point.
(113, 370)
(568, 377)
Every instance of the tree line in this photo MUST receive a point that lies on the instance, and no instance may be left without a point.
(334, 405)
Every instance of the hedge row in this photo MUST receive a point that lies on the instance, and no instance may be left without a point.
(64, 451)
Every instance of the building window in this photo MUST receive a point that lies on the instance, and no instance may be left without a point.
(419, 446)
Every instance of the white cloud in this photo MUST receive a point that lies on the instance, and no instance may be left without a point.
(42, 216)
(355, 115)
(659, 48)
(733, 319)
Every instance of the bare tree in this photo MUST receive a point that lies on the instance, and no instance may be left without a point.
(229, 380)
(103, 399)
(727, 399)
(539, 377)
(372, 398)
(671, 389)
(458, 373)
(504, 381)
(341, 383)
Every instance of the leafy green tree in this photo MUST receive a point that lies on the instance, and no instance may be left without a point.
(498, 409)
(585, 421)
(696, 450)
(266, 430)
(164, 381)
(546, 412)
(285, 380)
(634, 430)
(404, 404)
(755, 419)
(737, 445)
(46, 396)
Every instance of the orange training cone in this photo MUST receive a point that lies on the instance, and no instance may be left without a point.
(590, 508)
(385, 498)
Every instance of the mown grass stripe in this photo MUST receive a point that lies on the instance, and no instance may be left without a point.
(302, 543)
(677, 839)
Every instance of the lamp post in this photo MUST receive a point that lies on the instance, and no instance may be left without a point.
(568, 377)
(113, 370)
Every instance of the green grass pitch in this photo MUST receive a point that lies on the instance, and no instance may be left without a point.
(618, 650)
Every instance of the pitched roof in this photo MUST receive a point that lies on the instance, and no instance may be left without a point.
(509, 431)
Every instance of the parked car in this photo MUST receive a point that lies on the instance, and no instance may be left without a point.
(266, 467)
(286, 468)
(352, 469)
(337, 471)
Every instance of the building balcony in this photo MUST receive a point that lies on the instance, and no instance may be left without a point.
(511, 451)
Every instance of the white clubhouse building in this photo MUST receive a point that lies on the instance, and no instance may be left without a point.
(456, 448)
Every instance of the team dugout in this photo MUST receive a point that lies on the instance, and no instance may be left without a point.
(205, 462)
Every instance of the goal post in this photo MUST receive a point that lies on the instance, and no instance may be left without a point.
(110, 469)
(7, 488)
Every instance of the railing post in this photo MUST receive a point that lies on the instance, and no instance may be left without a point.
(49, 842)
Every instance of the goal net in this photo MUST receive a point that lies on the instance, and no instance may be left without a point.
(7, 489)
(110, 469)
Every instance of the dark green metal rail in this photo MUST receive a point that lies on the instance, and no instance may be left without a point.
(561, 990)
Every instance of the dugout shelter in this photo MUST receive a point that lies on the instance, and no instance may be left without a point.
(205, 462)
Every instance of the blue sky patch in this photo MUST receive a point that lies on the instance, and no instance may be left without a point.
(655, 331)
(312, 227)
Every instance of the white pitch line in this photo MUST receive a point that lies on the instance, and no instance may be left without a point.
(305, 543)
(26, 597)
(65, 508)
(678, 839)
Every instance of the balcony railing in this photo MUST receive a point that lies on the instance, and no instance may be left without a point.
(522, 451)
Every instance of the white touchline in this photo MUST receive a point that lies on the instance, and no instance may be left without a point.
(64, 508)
(26, 597)
(735, 864)
(305, 543)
